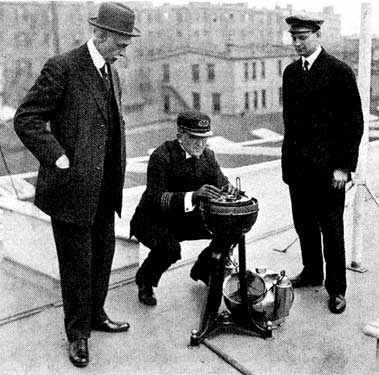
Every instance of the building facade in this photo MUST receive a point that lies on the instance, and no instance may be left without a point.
(211, 26)
(32, 31)
(234, 82)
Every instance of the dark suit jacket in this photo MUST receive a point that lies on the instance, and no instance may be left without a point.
(169, 177)
(66, 112)
(323, 120)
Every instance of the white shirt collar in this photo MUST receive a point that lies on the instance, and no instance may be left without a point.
(311, 59)
(187, 154)
(96, 57)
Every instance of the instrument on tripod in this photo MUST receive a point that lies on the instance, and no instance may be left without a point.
(257, 301)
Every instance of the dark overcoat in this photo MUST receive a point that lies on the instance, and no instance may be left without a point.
(65, 112)
(323, 121)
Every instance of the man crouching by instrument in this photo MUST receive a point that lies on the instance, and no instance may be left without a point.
(180, 174)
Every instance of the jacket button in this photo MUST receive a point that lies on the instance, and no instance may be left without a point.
(98, 168)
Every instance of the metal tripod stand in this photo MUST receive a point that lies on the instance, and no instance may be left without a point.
(213, 322)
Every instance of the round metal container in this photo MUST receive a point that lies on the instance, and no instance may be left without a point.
(256, 290)
(260, 295)
(229, 217)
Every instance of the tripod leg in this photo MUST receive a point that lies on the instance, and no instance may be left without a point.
(214, 294)
(209, 314)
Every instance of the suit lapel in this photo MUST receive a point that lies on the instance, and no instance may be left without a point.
(91, 78)
(318, 76)
(116, 86)
(319, 64)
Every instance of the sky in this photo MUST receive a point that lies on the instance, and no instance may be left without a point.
(350, 10)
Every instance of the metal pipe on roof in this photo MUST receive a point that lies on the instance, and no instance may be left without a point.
(364, 81)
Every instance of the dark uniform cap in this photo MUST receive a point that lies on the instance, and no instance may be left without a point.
(195, 123)
(303, 24)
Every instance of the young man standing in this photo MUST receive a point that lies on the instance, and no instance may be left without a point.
(323, 125)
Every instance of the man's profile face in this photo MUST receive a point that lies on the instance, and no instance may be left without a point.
(193, 144)
(305, 43)
(113, 46)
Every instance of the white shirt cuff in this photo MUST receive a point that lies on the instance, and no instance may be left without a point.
(188, 206)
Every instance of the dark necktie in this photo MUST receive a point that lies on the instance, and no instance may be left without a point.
(105, 77)
(191, 161)
(306, 66)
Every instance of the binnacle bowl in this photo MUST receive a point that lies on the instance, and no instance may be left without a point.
(229, 217)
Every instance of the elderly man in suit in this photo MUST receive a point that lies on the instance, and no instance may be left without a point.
(180, 174)
(71, 121)
(323, 125)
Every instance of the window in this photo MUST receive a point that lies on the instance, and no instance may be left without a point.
(179, 17)
(46, 38)
(196, 101)
(27, 67)
(246, 71)
(263, 69)
(263, 98)
(166, 73)
(211, 72)
(246, 101)
(280, 68)
(157, 17)
(255, 99)
(254, 74)
(25, 14)
(166, 104)
(281, 96)
(216, 102)
(22, 39)
(195, 73)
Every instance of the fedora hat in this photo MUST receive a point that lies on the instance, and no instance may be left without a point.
(117, 18)
(195, 123)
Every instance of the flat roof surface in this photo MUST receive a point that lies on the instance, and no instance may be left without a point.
(312, 341)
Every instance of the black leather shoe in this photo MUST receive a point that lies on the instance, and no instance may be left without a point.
(78, 352)
(200, 272)
(337, 303)
(301, 281)
(146, 295)
(110, 326)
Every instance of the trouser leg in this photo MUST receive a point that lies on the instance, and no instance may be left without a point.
(73, 245)
(85, 255)
(164, 250)
(304, 203)
(103, 246)
(331, 219)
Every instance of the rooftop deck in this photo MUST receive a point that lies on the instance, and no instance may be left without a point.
(312, 341)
